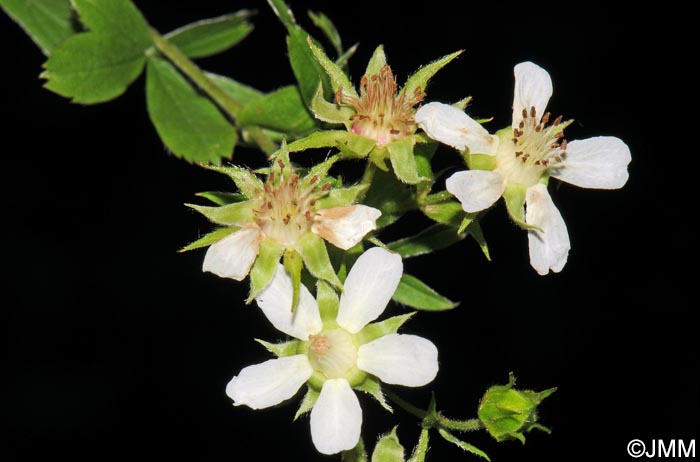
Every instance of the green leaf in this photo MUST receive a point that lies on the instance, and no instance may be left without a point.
(280, 349)
(337, 77)
(390, 196)
(307, 70)
(316, 259)
(242, 93)
(388, 448)
(236, 214)
(403, 161)
(209, 239)
(282, 110)
(264, 268)
(327, 301)
(293, 264)
(376, 62)
(211, 36)
(356, 454)
(245, 180)
(307, 403)
(448, 213)
(341, 196)
(421, 449)
(93, 67)
(436, 237)
(379, 329)
(222, 198)
(416, 294)
(462, 444)
(324, 23)
(115, 17)
(419, 80)
(374, 388)
(189, 124)
(47, 22)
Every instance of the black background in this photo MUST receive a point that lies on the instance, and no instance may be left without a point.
(120, 347)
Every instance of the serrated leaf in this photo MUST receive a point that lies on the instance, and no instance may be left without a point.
(241, 92)
(356, 454)
(282, 110)
(307, 403)
(374, 388)
(115, 17)
(236, 214)
(189, 124)
(307, 71)
(93, 67)
(416, 294)
(388, 448)
(280, 349)
(263, 270)
(208, 37)
(379, 329)
(46, 22)
(209, 239)
(462, 444)
(326, 26)
(390, 196)
(221, 198)
(436, 237)
(424, 74)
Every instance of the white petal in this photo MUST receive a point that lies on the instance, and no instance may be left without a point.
(476, 189)
(451, 126)
(398, 359)
(598, 163)
(275, 301)
(533, 88)
(336, 418)
(233, 255)
(368, 288)
(548, 249)
(345, 226)
(269, 383)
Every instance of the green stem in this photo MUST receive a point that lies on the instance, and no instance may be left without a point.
(367, 178)
(469, 425)
(441, 422)
(405, 405)
(227, 103)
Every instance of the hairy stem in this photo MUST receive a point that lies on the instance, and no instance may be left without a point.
(367, 178)
(446, 423)
(225, 101)
(405, 405)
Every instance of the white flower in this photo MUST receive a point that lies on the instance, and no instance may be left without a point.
(525, 156)
(333, 355)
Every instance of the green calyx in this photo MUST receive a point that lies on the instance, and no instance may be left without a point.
(508, 413)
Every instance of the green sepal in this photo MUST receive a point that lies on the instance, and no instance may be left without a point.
(244, 94)
(221, 198)
(388, 448)
(210, 238)
(341, 196)
(319, 171)
(376, 62)
(326, 26)
(47, 22)
(514, 196)
(378, 329)
(416, 294)
(282, 110)
(356, 454)
(189, 124)
(245, 180)
(466, 222)
(421, 449)
(338, 79)
(508, 413)
(208, 37)
(373, 387)
(478, 234)
(479, 161)
(462, 103)
(281, 349)
(424, 74)
(293, 264)
(307, 403)
(436, 237)
(322, 139)
(265, 266)
(343, 59)
(448, 213)
(313, 250)
(330, 112)
(462, 444)
(403, 161)
(344, 259)
(327, 300)
(236, 214)
(356, 146)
